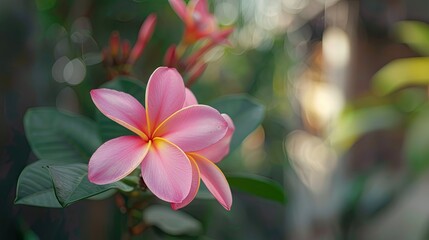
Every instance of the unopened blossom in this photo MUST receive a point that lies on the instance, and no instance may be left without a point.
(119, 57)
(145, 33)
(177, 141)
(199, 22)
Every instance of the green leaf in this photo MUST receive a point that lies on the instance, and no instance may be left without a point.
(35, 186)
(355, 123)
(246, 113)
(415, 34)
(172, 222)
(416, 146)
(108, 128)
(104, 195)
(56, 135)
(71, 183)
(400, 73)
(258, 186)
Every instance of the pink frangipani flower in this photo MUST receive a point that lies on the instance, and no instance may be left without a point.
(199, 22)
(175, 138)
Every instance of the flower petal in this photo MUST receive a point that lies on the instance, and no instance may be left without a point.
(170, 57)
(219, 150)
(165, 94)
(193, 128)
(204, 21)
(195, 185)
(166, 171)
(179, 7)
(121, 108)
(190, 98)
(215, 181)
(145, 34)
(116, 158)
(201, 7)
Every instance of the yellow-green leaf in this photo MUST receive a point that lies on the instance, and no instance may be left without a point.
(401, 73)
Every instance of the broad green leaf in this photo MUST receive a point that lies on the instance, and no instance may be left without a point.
(104, 195)
(108, 128)
(415, 34)
(258, 186)
(56, 135)
(416, 146)
(35, 186)
(71, 183)
(400, 73)
(170, 221)
(246, 113)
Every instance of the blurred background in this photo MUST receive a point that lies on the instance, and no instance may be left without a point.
(346, 131)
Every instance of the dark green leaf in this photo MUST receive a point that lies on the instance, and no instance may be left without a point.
(56, 135)
(71, 183)
(108, 128)
(400, 73)
(170, 221)
(258, 186)
(35, 186)
(246, 113)
(30, 235)
(104, 195)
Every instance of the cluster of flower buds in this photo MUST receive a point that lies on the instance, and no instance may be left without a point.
(199, 22)
(118, 57)
(200, 25)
